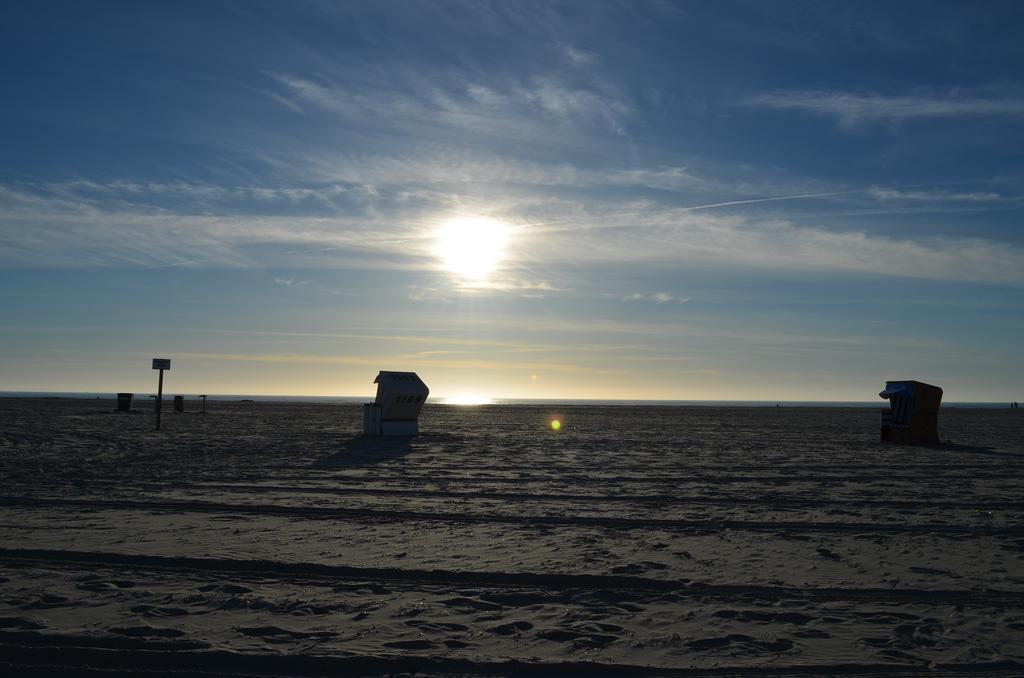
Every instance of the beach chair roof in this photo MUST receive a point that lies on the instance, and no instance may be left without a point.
(400, 395)
(909, 389)
(401, 382)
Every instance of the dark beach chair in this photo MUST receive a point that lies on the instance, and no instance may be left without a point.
(913, 414)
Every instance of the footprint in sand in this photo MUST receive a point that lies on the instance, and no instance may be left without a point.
(151, 611)
(411, 644)
(20, 623)
(740, 640)
(579, 638)
(748, 616)
(97, 585)
(47, 601)
(147, 632)
(277, 633)
(471, 603)
(435, 627)
(511, 629)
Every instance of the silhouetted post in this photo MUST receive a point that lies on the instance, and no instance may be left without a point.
(204, 403)
(160, 364)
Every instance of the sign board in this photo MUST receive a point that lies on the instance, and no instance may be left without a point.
(161, 363)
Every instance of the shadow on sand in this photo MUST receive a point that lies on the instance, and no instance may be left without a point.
(367, 450)
(975, 449)
(949, 446)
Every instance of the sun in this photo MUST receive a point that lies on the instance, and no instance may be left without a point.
(472, 247)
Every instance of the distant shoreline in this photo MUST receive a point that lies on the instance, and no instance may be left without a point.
(141, 398)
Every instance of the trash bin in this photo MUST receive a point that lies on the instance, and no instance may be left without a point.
(124, 402)
(179, 403)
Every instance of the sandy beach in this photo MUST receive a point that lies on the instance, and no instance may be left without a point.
(272, 539)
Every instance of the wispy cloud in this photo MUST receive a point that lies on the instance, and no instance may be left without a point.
(939, 196)
(656, 297)
(705, 239)
(506, 284)
(55, 229)
(418, 361)
(853, 111)
(290, 282)
(398, 336)
(519, 107)
(579, 57)
(65, 228)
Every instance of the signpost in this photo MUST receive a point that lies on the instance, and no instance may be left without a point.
(160, 364)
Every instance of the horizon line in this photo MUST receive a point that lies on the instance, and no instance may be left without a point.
(439, 400)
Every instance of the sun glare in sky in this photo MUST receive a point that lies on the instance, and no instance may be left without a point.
(472, 247)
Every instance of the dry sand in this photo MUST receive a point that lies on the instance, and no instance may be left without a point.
(271, 539)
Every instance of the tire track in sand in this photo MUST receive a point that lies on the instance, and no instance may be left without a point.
(558, 584)
(360, 514)
(660, 499)
(69, 655)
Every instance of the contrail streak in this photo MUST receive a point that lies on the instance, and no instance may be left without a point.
(693, 208)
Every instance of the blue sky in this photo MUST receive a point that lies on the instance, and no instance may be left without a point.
(780, 201)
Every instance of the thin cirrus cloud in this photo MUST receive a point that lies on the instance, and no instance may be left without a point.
(852, 111)
(64, 228)
(63, 233)
(530, 105)
(579, 57)
(423, 361)
(655, 297)
(290, 282)
(702, 239)
(939, 196)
